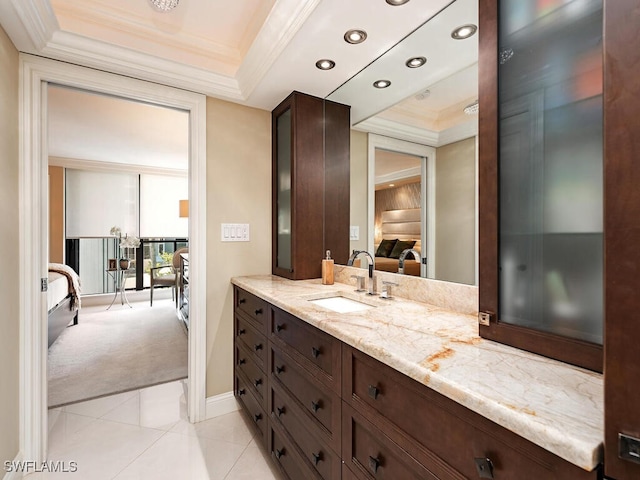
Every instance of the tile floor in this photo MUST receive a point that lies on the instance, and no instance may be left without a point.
(144, 434)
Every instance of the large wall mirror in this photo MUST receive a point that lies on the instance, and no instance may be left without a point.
(414, 150)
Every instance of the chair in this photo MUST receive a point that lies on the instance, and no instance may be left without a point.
(171, 279)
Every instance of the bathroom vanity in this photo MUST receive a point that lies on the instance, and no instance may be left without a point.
(341, 384)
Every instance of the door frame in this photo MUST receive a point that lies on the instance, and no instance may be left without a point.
(427, 192)
(35, 75)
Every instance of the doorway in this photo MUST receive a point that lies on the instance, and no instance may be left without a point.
(36, 74)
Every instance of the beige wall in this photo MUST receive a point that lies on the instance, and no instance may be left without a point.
(359, 187)
(9, 245)
(455, 212)
(238, 191)
(56, 214)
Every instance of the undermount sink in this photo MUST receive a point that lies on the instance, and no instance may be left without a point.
(341, 304)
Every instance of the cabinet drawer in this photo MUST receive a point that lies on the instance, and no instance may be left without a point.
(314, 348)
(290, 463)
(252, 408)
(254, 308)
(257, 378)
(440, 433)
(320, 405)
(305, 435)
(370, 454)
(252, 340)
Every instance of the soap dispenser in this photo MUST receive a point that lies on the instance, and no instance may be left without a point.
(327, 269)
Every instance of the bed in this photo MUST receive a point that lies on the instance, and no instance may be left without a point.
(63, 299)
(400, 229)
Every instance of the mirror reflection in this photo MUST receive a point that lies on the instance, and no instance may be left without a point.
(414, 152)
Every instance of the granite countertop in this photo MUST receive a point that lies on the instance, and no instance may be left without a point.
(554, 405)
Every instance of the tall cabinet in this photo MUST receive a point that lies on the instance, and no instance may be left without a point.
(310, 185)
(559, 195)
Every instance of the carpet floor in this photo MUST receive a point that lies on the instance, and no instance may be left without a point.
(113, 351)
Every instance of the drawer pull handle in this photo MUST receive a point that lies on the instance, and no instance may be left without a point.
(315, 352)
(241, 361)
(315, 406)
(241, 391)
(317, 457)
(257, 346)
(242, 300)
(279, 327)
(258, 382)
(242, 331)
(279, 370)
(279, 453)
(374, 464)
(373, 392)
(484, 467)
(280, 411)
(258, 417)
(258, 311)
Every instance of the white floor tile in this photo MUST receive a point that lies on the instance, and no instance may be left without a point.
(253, 464)
(232, 427)
(183, 457)
(62, 425)
(100, 406)
(100, 449)
(154, 407)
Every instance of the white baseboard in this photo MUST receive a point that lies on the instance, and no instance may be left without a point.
(221, 405)
(14, 474)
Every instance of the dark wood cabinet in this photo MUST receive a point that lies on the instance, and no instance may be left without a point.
(351, 416)
(618, 359)
(311, 195)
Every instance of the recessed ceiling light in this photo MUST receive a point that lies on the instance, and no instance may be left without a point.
(396, 3)
(325, 64)
(472, 109)
(381, 83)
(355, 36)
(464, 31)
(416, 62)
(392, 184)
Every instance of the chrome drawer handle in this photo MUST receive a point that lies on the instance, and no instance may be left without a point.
(315, 406)
(258, 417)
(242, 300)
(257, 346)
(374, 464)
(373, 392)
(279, 327)
(279, 370)
(279, 453)
(280, 411)
(258, 382)
(258, 311)
(241, 391)
(315, 352)
(241, 361)
(242, 331)
(317, 457)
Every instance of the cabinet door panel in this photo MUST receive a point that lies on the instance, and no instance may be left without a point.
(252, 408)
(287, 459)
(246, 364)
(255, 309)
(252, 340)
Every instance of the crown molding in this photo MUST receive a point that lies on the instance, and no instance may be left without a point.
(283, 22)
(389, 128)
(29, 23)
(399, 175)
(95, 165)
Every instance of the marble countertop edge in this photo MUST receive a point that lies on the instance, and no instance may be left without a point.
(584, 450)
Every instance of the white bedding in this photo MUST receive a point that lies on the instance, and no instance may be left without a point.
(58, 289)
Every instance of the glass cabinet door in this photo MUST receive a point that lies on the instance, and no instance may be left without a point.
(283, 191)
(551, 167)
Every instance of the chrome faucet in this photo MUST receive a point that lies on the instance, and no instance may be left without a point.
(372, 280)
(403, 255)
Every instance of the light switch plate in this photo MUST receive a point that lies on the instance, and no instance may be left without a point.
(234, 232)
(354, 232)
